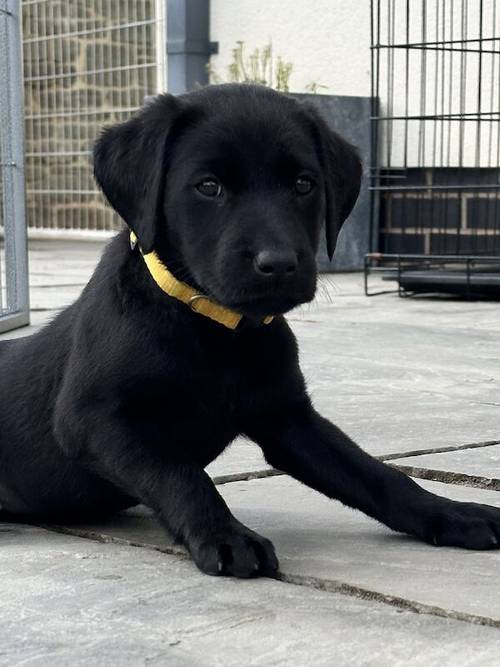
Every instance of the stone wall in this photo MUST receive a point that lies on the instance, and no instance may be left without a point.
(87, 64)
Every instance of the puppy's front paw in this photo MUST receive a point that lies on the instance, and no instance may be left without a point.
(237, 551)
(466, 525)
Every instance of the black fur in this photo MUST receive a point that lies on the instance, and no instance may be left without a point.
(127, 395)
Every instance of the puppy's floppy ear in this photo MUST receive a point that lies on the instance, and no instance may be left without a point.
(342, 172)
(130, 162)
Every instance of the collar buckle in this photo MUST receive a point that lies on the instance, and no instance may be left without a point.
(193, 300)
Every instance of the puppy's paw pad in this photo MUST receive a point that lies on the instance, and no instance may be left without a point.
(237, 553)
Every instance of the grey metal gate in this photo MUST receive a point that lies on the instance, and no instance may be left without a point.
(14, 307)
(86, 65)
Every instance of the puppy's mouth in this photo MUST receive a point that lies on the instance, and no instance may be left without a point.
(262, 307)
(263, 304)
(254, 302)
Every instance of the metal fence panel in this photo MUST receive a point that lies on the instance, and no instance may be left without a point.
(14, 309)
(86, 65)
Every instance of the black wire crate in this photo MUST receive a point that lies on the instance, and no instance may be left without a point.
(471, 276)
(435, 131)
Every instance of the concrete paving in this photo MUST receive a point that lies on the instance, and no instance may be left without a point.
(67, 601)
(474, 467)
(369, 371)
(319, 540)
(407, 378)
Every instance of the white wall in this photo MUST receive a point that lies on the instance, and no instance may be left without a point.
(327, 41)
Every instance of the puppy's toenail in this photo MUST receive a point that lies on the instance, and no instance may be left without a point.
(434, 539)
(219, 566)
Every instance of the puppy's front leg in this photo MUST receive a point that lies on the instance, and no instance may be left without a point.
(183, 497)
(300, 442)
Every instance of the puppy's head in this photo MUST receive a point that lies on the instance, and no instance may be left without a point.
(231, 186)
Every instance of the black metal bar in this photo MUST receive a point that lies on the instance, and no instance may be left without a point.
(386, 256)
(430, 188)
(468, 285)
(374, 139)
(437, 43)
(474, 116)
(431, 48)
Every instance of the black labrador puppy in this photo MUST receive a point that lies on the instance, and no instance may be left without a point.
(178, 343)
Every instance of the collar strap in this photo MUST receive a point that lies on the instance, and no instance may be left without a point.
(198, 302)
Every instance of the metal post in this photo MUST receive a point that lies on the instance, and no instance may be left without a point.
(16, 310)
(188, 44)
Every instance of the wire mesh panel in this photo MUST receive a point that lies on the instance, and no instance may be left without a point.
(86, 65)
(436, 127)
(13, 255)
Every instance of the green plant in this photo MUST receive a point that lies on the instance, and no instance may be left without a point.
(257, 67)
(314, 86)
(260, 67)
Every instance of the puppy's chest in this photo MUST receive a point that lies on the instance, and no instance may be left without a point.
(193, 413)
(197, 393)
(211, 391)
(203, 392)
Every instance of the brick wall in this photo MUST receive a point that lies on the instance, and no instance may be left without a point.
(87, 64)
(430, 220)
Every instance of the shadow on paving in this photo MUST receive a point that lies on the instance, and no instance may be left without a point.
(322, 544)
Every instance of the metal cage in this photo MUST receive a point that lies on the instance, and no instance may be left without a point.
(435, 177)
(14, 309)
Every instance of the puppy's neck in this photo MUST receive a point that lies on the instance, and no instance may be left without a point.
(191, 296)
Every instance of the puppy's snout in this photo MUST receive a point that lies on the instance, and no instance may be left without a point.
(275, 263)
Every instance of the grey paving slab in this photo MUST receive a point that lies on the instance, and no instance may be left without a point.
(54, 296)
(479, 466)
(319, 538)
(67, 601)
(240, 457)
(46, 277)
(59, 253)
(59, 270)
(402, 380)
(322, 542)
(37, 319)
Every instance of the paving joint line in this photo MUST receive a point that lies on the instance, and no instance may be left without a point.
(171, 550)
(351, 590)
(316, 583)
(57, 286)
(438, 450)
(482, 482)
(246, 476)
(459, 478)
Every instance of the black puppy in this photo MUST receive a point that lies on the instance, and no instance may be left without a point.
(178, 343)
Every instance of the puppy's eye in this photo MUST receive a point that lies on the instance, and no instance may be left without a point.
(303, 185)
(209, 188)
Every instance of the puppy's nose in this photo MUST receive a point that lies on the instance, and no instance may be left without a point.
(275, 263)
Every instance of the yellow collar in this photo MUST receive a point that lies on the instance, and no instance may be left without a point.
(198, 302)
